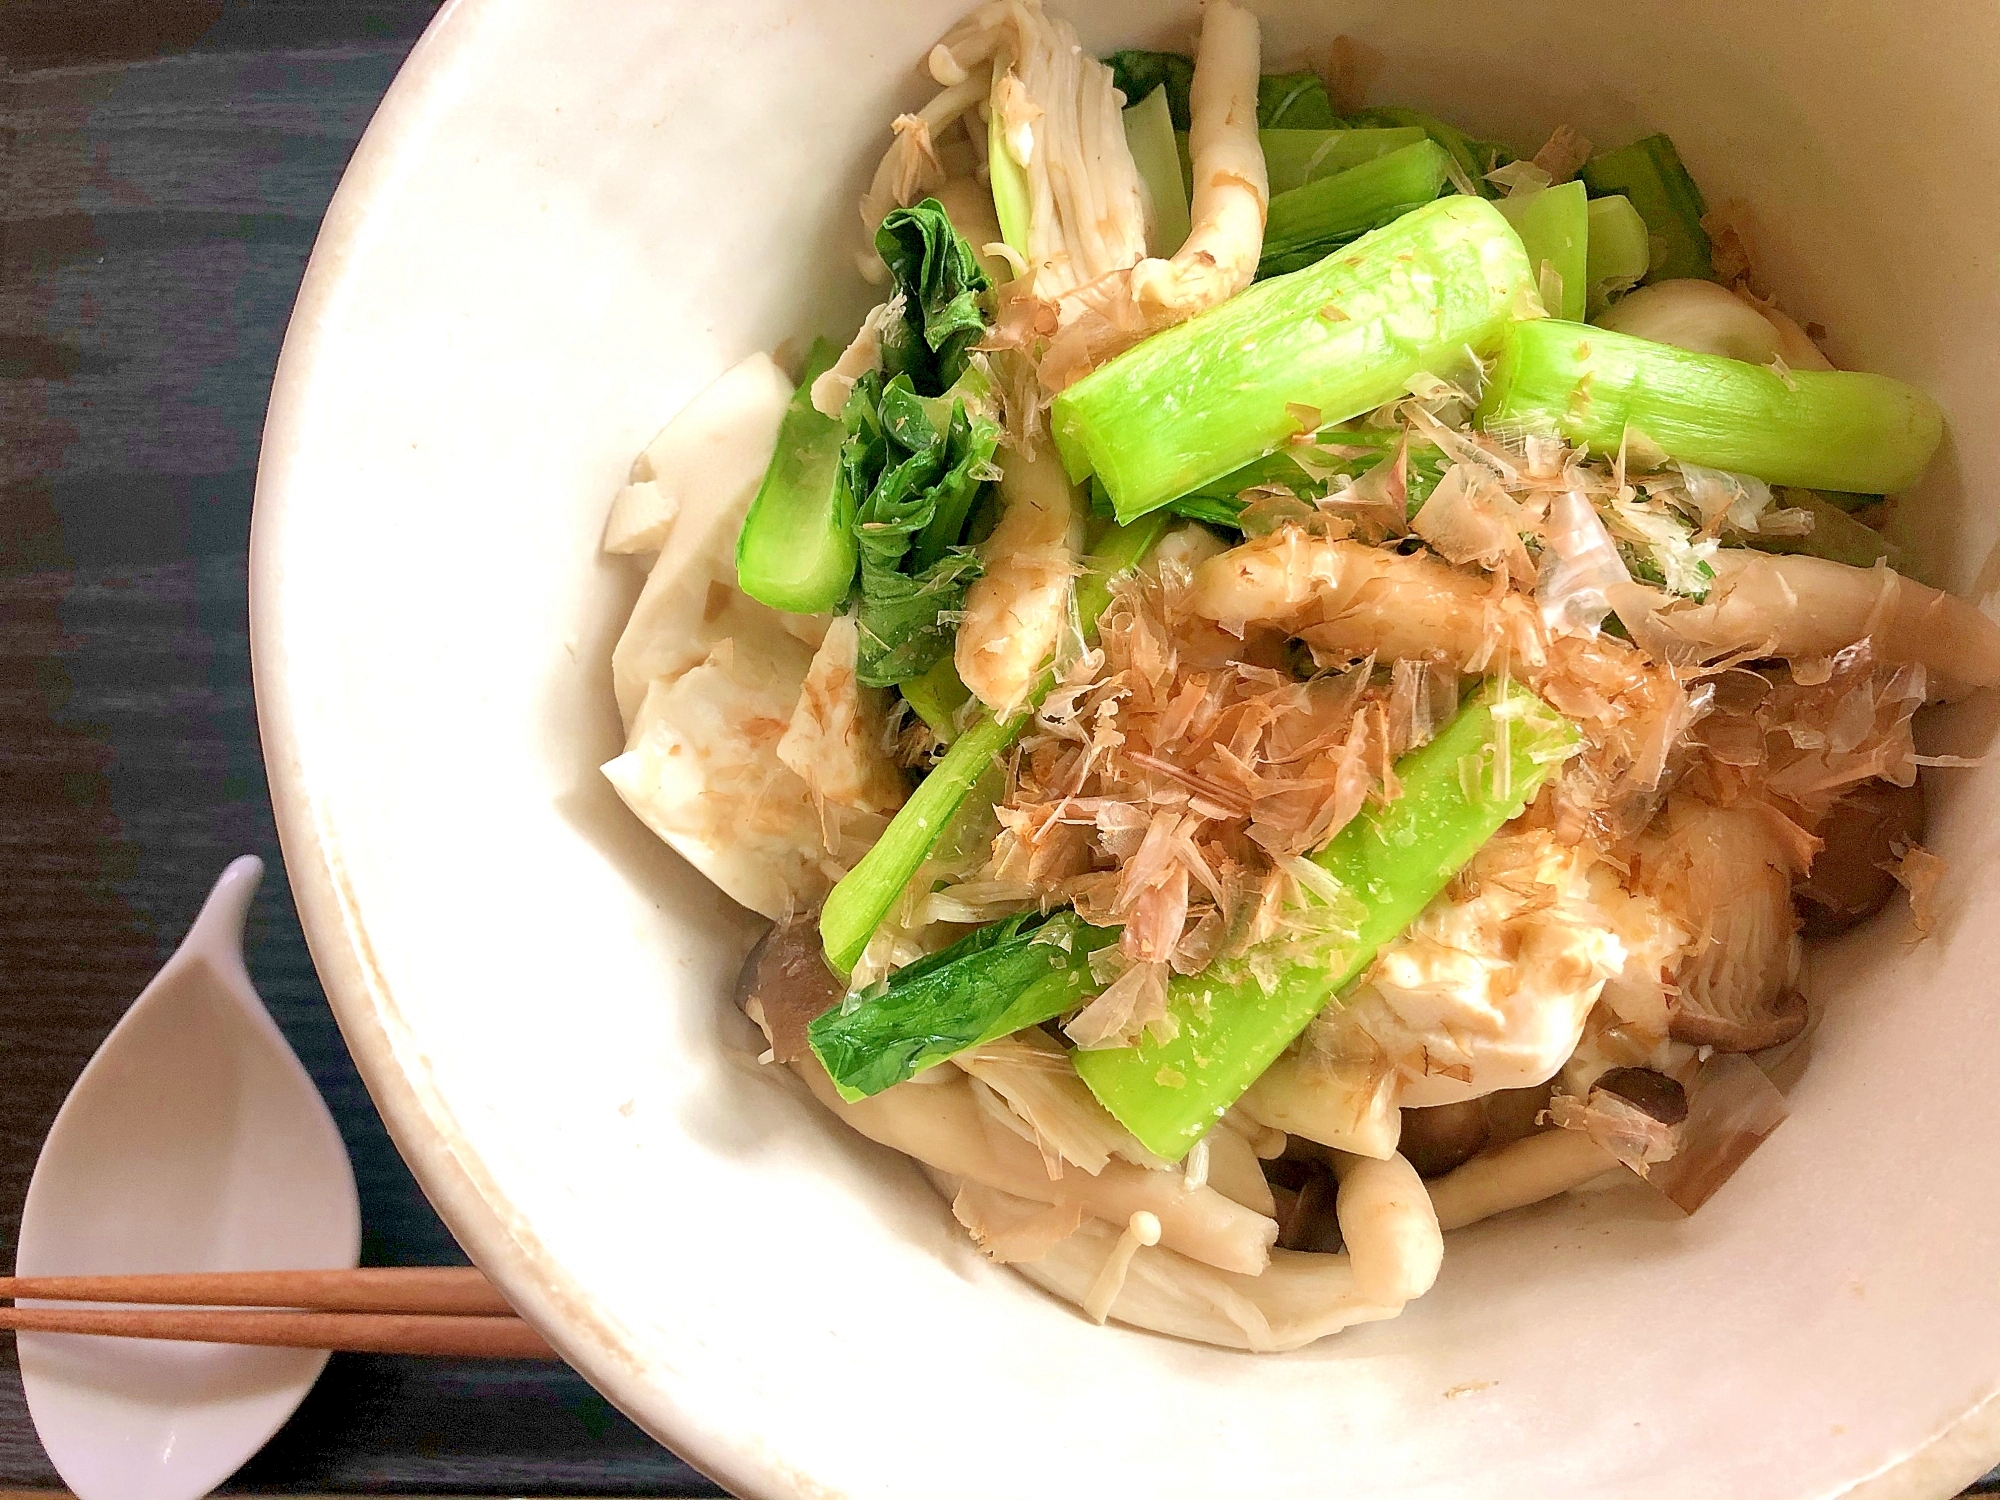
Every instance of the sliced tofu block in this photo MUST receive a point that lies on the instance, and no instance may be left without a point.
(701, 769)
(709, 460)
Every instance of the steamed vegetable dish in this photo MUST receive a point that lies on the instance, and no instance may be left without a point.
(1301, 680)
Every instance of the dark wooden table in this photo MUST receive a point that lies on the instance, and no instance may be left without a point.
(163, 168)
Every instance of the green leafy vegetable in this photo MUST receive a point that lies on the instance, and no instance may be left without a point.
(1136, 74)
(1311, 222)
(796, 550)
(914, 468)
(917, 446)
(863, 896)
(1294, 101)
(1293, 158)
(942, 287)
(989, 984)
(1483, 768)
(1816, 429)
(1149, 134)
(1321, 345)
(1620, 251)
(1649, 174)
(1554, 225)
(1473, 158)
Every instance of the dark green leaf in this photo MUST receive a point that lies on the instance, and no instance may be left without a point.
(1475, 158)
(1294, 101)
(942, 287)
(904, 622)
(1019, 972)
(915, 489)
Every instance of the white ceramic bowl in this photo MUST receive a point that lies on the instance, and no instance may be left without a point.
(564, 221)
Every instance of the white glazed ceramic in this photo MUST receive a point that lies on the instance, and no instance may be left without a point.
(565, 220)
(193, 1141)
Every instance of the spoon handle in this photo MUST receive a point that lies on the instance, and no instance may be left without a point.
(366, 1333)
(462, 1290)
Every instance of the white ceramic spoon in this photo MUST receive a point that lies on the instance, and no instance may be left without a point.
(194, 1141)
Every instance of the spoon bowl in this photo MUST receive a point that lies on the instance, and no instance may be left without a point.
(193, 1141)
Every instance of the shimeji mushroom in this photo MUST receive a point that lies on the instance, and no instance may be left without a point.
(1517, 1174)
(1390, 1228)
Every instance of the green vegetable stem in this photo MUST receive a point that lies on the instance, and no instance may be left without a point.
(1339, 338)
(1311, 222)
(1650, 176)
(1554, 225)
(987, 985)
(1293, 158)
(1620, 250)
(1816, 429)
(796, 549)
(1483, 768)
(857, 905)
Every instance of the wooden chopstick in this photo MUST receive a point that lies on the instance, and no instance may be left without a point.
(465, 1337)
(455, 1290)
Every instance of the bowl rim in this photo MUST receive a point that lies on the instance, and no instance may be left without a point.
(358, 991)
(364, 1001)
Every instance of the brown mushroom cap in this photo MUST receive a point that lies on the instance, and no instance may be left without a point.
(1653, 1094)
(1438, 1138)
(1782, 1020)
(787, 976)
(1849, 881)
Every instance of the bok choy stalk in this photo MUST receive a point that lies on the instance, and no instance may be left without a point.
(858, 903)
(1835, 430)
(796, 549)
(1149, 136)
(1311, 222)
(1473, 158)
(989, 984)
(1650, 176)
(937, 696)
(1321, 345)
(1620, 251)
(1293, 158)
(1554, 225)
(1483, 768)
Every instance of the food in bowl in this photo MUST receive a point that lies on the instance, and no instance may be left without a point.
(1299, 683)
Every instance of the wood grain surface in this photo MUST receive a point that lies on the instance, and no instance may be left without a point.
(163, 168)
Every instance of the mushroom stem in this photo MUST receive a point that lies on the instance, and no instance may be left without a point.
(1524, 1172)
(1389, 1227)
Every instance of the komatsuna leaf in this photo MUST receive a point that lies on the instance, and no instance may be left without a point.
(914, 467)
(991, 983)
(1294, 101)
(942, 289)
